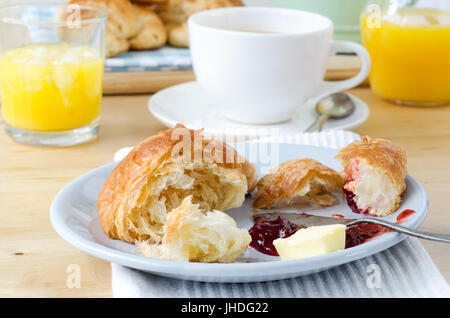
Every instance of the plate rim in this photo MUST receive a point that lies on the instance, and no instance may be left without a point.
(169, 122)
(211, 270)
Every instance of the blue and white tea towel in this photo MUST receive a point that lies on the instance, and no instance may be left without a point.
(163, 59)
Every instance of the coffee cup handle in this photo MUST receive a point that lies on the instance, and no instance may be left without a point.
(327, 87)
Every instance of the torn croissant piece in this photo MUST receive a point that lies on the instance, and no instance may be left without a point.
(299, 180)
(374, 171)
(195, 236)
(160, 172)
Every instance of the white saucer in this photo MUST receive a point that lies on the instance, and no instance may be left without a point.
(188, 104)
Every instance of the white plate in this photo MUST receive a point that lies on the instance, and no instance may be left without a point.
(188, 104)
(74, 216)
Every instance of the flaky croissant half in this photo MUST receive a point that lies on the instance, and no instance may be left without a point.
(160, 172)
(374, 171)
(298, 180)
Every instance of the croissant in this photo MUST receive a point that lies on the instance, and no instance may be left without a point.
(129, 26)
(374, 171)
(299, 180)
(175, 14)
(160, 172)
(194, 236)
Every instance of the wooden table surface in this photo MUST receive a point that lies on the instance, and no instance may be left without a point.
(34, 260)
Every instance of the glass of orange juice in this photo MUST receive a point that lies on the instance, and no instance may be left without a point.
(409, 44)
(51, 73)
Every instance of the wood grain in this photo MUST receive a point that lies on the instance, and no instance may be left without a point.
(34, 259)
(115, 83)
(338, 67)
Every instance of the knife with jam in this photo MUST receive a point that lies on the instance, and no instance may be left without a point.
(271, 226)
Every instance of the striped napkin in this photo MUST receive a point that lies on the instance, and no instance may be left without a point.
(404, 270)
(163, 59)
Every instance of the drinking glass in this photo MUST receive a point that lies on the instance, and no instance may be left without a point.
(51, 73)
(409, 44)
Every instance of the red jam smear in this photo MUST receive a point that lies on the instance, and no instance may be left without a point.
(350, 196)
(338, 216)
(264, 232)
(358, 234)
(403, 215)
(361, 233)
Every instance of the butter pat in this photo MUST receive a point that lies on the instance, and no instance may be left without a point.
(312, 241)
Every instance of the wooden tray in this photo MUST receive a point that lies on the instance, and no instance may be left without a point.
(339, 67)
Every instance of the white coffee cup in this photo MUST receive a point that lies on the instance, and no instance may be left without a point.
(260, 64)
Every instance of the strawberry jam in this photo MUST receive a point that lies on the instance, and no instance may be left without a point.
(350, 196)
(361, 233)
(403, 215)
(264, 232)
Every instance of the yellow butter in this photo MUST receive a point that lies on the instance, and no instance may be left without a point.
(312, 241)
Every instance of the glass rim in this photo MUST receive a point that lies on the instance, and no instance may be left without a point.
(20, 21)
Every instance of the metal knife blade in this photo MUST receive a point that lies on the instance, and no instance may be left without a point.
(303, 218)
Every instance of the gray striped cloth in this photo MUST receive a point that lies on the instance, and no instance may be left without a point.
(405, 270)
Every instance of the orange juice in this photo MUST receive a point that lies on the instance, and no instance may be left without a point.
(410, 54)
(51, 87)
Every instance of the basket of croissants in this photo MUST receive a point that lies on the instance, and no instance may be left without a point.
(149, 24)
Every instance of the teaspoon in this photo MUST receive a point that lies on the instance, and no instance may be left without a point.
(337, 105)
